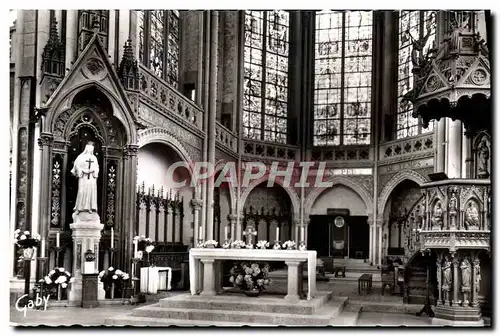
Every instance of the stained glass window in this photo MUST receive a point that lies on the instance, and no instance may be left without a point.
(159, 43)
(266, 75)
(343, 76)
(413, 25)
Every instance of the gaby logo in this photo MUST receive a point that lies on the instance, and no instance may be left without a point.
(293, 174)
(23, 305)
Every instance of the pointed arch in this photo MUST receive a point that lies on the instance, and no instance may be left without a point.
(393, 183)
(232, 190)
(294, 198)
(347, 182)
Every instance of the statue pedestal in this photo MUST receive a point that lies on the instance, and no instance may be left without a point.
(86, 232)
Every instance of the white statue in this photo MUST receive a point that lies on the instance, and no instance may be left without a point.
(86, 169)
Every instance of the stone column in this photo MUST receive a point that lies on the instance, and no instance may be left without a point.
(71, 36)
(440, 150)
(196, 205)
(306, 227)
(293, 274)
(208, 277)
(212, 111)
(129, 207)
(456, 285)
(380, 223)
(439, 278)
(232, 224)
(388, 83)
(454, 156)
(369, 221)
(476, 280)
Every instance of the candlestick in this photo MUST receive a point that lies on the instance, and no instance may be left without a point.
(112, 238)
(225, 232)
(277, 234)
(57, 239)
(42, 248)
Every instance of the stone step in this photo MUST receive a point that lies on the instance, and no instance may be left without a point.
(239, 302)
(321, 317)
(140, 321)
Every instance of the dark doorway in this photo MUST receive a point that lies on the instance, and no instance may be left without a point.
(329, 238)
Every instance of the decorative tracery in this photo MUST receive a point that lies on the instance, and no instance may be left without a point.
(265, 102)
(414, 26)
(343, 75)
(159, 43)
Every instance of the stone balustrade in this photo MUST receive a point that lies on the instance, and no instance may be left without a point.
(342, 153)
(261, 149)
(161, 95)
(421, 145)
(225, 137)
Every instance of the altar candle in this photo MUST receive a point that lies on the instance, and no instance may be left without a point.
(277, 234)
(225, 232)
(302, 237)
(135, 248)
(201, 233)
(57, 239)
(112, 238)
(42, 252)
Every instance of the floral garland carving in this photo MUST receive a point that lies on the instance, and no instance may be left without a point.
(55, 214)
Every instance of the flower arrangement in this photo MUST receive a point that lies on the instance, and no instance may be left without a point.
(262, 244)
(250, 276)
(144, 244)
(58, 276)
(238, 244)
(226, 245)
(113, 280)
(289, 245)
(210, 244)
(26, 239)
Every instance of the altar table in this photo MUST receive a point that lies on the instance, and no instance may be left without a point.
(205, 279)
(154, 279)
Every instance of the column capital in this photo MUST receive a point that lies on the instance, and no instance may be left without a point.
(207, 260)
(196, 204)
(380, 222)
(232, 217)
(292, 262)
(131, 150)
(296, 221)
(307, 221)
(45, 139)
(369, 221)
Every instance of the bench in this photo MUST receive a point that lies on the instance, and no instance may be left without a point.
(365, 284)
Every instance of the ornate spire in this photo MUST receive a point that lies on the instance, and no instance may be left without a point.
(128, 70)
(53, 52)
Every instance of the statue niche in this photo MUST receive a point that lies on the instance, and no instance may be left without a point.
(482, 157)
(471, 218)
(437, 216)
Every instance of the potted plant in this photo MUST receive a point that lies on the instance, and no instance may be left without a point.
(27, 241)
(262, 244)
(114, 281)
(57, 282)
(289, 245)
(238, 244)
(250, 277)
(210, 244)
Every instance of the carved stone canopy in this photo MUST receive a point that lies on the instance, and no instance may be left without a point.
(454, 80)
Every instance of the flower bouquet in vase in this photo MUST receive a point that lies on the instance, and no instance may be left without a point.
(250, 277)
(114, 281)
(57, 282)
(262, 244)
(27, 241)
(237, 244)
(210, 244)
(289, 245)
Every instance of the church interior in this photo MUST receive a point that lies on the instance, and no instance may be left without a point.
(395, 104)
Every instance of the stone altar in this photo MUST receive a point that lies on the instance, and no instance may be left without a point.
(155, 278)
(205, 268)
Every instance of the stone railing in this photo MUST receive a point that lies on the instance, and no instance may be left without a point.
(261, 149)
(164, 97)
(342, 153)
(422, 144)
(225, 137)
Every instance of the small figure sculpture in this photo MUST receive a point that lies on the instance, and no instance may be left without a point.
(471, 215)
(417, 53)
(483, 151)
(477, 278)
(452, 208)
(437, 217)
(446, 278)
(466, 279)
(86, 168)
